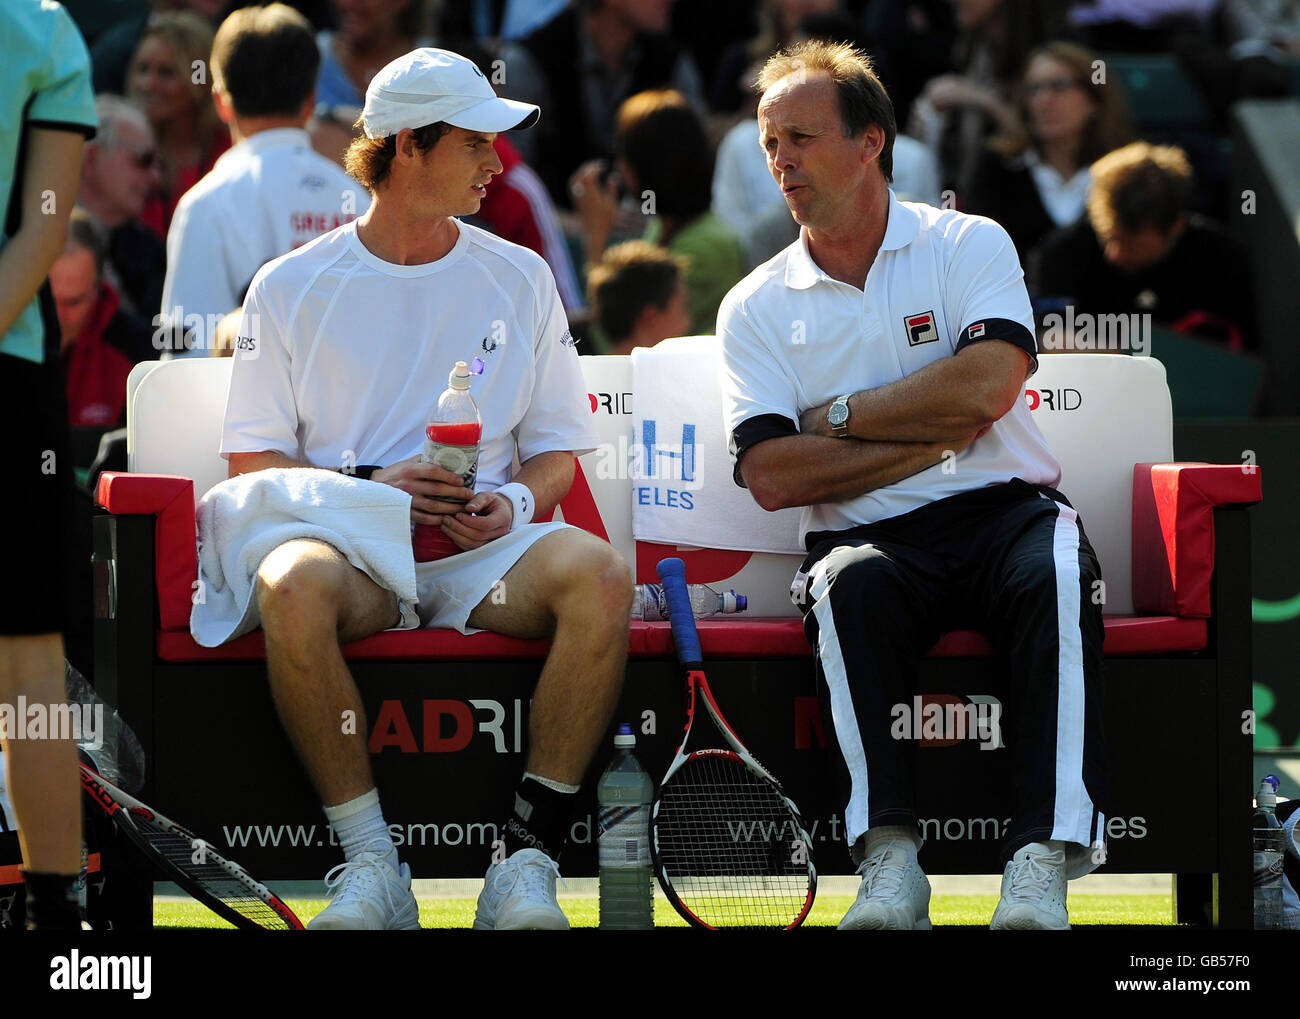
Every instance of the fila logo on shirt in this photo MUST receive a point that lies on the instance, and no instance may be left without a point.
(920, 329)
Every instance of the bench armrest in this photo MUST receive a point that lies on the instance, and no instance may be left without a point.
(170, 499)
(1173, 531)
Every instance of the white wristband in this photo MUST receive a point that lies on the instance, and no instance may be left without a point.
(521, 498)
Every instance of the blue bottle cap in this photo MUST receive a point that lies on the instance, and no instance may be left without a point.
(1274, 779)
(626, 730)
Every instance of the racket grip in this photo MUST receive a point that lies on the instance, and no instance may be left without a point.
(672, 574)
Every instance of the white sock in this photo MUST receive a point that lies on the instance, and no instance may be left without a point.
(904, 837)
(359, 825)
(1043, 848)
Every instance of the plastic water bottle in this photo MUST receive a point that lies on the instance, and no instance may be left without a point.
(1270, 849)
(626, 884)
(650, 602)
(451, 441)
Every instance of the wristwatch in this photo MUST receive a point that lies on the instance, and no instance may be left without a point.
(838, 416)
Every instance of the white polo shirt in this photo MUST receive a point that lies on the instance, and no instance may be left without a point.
(269, 194)
(794, 338)
(341, 355)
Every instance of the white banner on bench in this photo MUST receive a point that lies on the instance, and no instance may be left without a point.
(683, 492)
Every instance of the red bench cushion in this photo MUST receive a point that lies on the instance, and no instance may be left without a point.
(170, 498)
(1173, 531)
(719, 638)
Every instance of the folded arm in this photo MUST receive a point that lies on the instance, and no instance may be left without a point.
(945, 401)
(801, 470)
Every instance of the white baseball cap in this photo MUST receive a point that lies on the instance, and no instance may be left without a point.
(427, 86)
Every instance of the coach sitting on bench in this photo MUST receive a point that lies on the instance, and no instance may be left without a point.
(344, 346)
(873, 374)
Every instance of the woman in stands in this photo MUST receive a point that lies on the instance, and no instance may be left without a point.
(170, 81)
(1035, 178)
(957, 113)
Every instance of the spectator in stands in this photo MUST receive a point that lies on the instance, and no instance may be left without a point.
(111, 50)
(956, 113)
(118, 173)
(583, 65)
(1255, 58)
(101, 340)
(170, 80)
(913, 42)
(371, 33)
(637, 294)
(1036, 178)
(665, 163)
(778, 20)
(1141, 250)
(270, 193)
(748, 199)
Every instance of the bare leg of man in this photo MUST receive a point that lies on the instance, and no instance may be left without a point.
(312, 600)
(574, 586)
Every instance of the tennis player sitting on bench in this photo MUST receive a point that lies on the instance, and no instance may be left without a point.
(342, 346)
(874, 373)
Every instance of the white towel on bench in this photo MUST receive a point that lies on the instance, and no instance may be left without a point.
(243, 519)
(683, 492)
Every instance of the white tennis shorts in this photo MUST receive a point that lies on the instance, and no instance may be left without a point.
(449, 589)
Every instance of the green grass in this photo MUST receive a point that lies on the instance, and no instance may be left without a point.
(945, 910)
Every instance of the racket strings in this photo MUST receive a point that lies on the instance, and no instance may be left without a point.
(198, 861)
(730, 845)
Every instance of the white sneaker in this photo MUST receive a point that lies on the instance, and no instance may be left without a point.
(894, 894)
(1033, 892)
(519, 894)
(366, 894)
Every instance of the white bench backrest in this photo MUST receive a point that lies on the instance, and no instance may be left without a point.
(1101, 413)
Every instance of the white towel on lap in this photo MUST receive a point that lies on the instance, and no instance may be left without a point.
(243, 519)
(683, 492)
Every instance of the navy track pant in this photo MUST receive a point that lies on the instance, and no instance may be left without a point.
(1011, 561)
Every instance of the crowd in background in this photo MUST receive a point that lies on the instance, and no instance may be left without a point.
(644, 185)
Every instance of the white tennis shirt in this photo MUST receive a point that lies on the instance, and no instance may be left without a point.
(794, 338)
(268, 195)
(341, 355)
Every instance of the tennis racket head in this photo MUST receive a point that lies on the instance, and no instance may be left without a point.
(729, 848)
(220, 884)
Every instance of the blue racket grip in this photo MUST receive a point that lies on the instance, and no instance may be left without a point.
(672, 574)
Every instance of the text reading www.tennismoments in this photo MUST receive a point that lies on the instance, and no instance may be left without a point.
(485, 833)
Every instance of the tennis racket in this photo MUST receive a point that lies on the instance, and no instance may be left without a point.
(220, 884)
(729, 847)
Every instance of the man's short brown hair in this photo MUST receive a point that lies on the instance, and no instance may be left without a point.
(630, 278)
(863, 99)
(1139, 186)
(84, 232)
(265, 59)
(369, 160)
